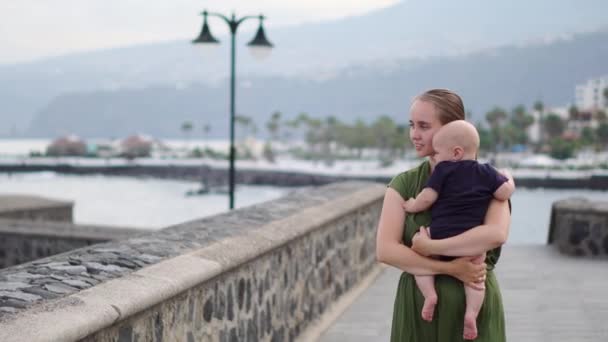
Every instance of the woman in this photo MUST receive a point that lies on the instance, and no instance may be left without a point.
(398, 244)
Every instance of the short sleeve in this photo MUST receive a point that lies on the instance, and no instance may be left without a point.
(399, 184)
(437, 177)
(409, 183)
(495, 178)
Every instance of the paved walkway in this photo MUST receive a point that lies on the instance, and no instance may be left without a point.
(547, 296)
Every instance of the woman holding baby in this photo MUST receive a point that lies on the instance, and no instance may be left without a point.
(459, 261)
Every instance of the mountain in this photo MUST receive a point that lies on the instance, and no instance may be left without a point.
(502, 76)
(419, 31)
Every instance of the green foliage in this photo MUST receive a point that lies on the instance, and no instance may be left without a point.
(562, 149)
(213, 154)
(274, 124)
(573, 112)
(197, 152)
(553, 126)
(268, 153)
(588, 137)
(486, 141)
(602, 134)
(187, 126)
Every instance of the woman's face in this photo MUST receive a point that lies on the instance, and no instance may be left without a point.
(424, 122)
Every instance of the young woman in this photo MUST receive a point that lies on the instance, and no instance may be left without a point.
(399, 245)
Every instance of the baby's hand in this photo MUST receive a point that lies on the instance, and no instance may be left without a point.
(409, 205)
(421, 241)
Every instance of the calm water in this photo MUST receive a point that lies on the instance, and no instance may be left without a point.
(532, 212)
(153, 203)
(145, 203)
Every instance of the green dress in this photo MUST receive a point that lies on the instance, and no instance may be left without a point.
(448, 319)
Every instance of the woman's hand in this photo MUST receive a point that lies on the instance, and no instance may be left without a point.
(422, 243)
(470, 273)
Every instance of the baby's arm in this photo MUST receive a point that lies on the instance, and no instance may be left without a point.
(507, 188)
(423, 201)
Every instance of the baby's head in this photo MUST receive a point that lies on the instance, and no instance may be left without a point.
(456, 140)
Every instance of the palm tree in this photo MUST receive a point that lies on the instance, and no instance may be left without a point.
(273, 126)
(520, 120)
(574, 113)
(554, 126)
(313, 135)
(328, 137)
(602, 134)
(540, 108)
(206, 130)
(495, 118)
(248, 127)
(187, 127)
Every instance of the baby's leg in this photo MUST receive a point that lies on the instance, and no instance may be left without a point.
(474, 301)
(426, 284)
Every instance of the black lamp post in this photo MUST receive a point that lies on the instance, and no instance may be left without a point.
(258, 42)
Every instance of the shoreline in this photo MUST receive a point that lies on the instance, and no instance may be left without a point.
(284, 173)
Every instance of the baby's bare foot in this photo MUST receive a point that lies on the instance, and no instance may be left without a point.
(428, 309)
(470, 327)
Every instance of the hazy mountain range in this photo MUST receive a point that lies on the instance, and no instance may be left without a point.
(492, 53)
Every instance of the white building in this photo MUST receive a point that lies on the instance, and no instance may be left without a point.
(534, 131)
(590, 95)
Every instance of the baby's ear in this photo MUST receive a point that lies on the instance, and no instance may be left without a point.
(458, 152)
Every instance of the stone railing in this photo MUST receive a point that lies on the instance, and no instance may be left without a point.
(24, 240)
(261, 273)
(580, 227)
(36, 208)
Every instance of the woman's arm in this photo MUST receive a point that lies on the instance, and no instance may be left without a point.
(390, 249)
(475, 241)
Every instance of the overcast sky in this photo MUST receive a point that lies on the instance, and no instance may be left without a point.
(32, 29)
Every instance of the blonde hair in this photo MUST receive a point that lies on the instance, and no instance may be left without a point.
(449, 105)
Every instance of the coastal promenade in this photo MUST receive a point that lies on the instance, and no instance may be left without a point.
(548, 297)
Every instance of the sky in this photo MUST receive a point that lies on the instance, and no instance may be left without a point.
(34, 29)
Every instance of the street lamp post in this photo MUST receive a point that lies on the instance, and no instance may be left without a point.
(259, 45)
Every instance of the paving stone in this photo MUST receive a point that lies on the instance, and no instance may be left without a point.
(547, 296)
(60, 288)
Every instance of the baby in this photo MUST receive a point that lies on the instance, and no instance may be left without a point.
(459, 190)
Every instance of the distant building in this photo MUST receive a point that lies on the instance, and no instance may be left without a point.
(103, 148)
(583, 119)
(589, 96)
(136, 146)
(69, 145)
(535, 130)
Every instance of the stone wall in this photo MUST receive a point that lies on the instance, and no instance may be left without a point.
(261, 273)
(35, 208)
(23, 240)
(580, 227)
